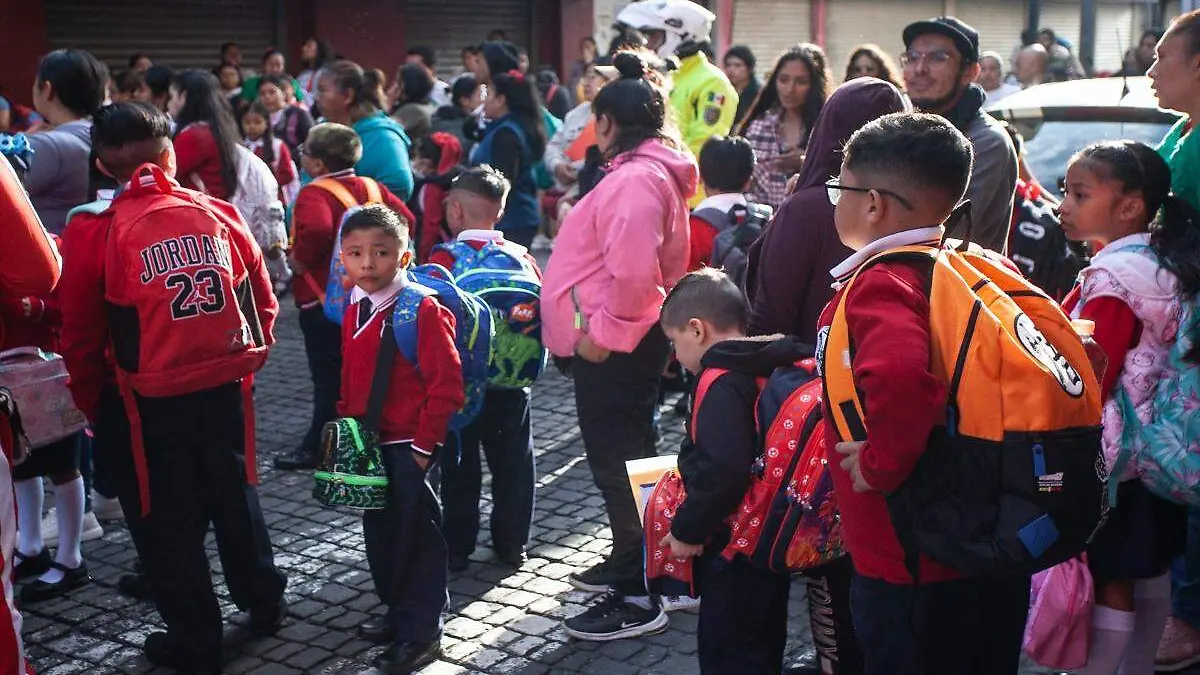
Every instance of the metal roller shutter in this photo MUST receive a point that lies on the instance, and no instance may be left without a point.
(449, 25)
(853, 22)
(1116, 31)
(769, 27)
(1063, 16)
(999, 25)
(178, 33)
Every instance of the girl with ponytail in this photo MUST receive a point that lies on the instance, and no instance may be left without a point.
(347, 94)
(620, 249)
(1118, 196)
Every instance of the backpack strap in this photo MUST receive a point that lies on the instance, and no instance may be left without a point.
(382, 376)
(719, 219)
(404, 318)
(707, 378)
(160, 182)
(339, 191)
(374, 196)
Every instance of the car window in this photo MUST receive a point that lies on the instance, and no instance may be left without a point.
(1050, 145)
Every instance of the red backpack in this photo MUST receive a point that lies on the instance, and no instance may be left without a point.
(178, 281)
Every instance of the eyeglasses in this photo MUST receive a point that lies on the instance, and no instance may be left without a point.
(834, 190)
(934, 58)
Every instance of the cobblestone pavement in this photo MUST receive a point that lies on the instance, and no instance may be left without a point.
(502, 621)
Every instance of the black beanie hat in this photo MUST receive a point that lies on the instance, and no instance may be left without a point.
(501, 56)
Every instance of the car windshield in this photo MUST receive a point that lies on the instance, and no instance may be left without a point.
(1050, 145)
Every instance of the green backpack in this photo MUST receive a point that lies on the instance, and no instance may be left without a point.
(352, 473)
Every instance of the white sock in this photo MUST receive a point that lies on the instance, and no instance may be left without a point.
(1151, 605)
(29, 515)
(68, 503)
(1111, 631)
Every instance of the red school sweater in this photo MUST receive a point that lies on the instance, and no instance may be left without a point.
(887, 314)
(315, 220)
(198, 157)
(421, 397)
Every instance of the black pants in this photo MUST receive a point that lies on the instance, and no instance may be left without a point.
(616, 401)
(838, 649)
(743, 617)
(195, 459)
(323, 347)
(406, 551)
(965, 627)
(112, 452)
(503, 429)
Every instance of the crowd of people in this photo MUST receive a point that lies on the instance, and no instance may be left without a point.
(704, 223)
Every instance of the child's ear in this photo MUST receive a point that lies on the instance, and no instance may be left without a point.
(406, 259)
(103, 169)
(166, 159)
(697, 328)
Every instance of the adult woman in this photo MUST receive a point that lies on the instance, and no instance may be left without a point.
(206, 135)
(871, 61)
(313, 56)
(349, 95)
(739, 64)
(409, 96)
(566, 150)
(620, 248)
(788, 284)
(779, 123)
(513, 142)
(289, 122)
(70, 85)
(273, 63)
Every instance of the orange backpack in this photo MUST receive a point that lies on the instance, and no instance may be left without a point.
(1013, 481)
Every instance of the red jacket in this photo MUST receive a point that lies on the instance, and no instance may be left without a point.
(701, 249)
(315, 220)
(887, 314)
(420, 401)
(197, 156)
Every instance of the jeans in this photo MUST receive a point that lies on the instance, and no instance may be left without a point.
(503, 429)
(615, 402)
(1185, 576)
(323, 347)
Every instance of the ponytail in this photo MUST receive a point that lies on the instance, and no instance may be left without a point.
(637, 103)
(366, 85)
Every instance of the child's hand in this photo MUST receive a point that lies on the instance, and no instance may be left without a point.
(588, 350)
(850, 463)
(679, 549)
(421, 460)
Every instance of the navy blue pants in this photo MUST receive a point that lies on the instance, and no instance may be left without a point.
(964, 627)
(406, 552)
(743, 616)
(323, 347)
(503, 430)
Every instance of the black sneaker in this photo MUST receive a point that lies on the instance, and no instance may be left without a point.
(298, 460)
(596, 579)
(266, 621)
(135, 586)
(162, 651)
(613, 618)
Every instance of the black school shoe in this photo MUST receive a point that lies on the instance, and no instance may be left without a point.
(403, 658)
(135, 586)
(596, 579)
(31, 566)
(613, 618)
(266, 621)
(40, 591)
(162, 651)
(297, 460)
(512, 557)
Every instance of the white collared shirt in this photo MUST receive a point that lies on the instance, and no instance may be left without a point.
(481, 235)
(723, 202)
(921, 235)
(382, 299)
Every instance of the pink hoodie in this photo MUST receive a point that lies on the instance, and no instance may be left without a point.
(619, 251)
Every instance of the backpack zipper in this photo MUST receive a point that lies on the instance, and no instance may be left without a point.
(338, 478)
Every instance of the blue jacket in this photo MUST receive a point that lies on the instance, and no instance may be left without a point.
(385, 154)
(521, 210)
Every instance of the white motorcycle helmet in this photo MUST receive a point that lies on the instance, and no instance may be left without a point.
(682, 22)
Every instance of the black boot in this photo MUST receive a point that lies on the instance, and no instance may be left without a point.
(298, 460)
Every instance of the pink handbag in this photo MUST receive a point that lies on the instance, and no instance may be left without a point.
(38, 380)
(1059, 630)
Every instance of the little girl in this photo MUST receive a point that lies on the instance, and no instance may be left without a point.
(1117, 195)
(258, 136)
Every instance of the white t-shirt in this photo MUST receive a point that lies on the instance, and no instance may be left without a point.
(1005, 90)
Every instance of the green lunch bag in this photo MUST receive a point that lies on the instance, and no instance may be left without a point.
(352, 472)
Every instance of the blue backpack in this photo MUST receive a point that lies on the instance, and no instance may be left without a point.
(501, 275)
(336, 297)
(473, 332)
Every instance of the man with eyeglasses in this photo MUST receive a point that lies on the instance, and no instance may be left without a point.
(941, 64)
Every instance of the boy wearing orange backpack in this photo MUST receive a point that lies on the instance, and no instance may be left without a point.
(183, 302)
(328, 155)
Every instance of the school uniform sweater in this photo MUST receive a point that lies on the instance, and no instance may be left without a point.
(315, 220)
(198, 157)
(421, 396)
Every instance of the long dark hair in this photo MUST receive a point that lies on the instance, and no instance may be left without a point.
(1175, 224)
(883, 63)
(268, 138)
(415, 83)
(366, 85)
(813, 57)
(78, 80)
(206, 103)
(324, 54)
(637, 103)
(522, 99)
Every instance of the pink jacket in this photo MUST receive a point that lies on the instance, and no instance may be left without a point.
(619, 251)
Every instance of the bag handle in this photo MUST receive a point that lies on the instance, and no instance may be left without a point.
(16, 352)
(162, 184)
(382, 377)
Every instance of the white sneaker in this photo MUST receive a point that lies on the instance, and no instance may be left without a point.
(676, 603)
(106, 508)
(91, 528)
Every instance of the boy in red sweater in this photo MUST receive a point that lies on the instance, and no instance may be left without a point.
(473, 207)
(406, 550)
(329, 155)
(901, 178)
(726, 167)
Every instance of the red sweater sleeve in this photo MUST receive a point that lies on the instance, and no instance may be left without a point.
(29, 262)
(441, 370)
(701, 249)
(84, 320)
(1117, 331)
(313, 229)
(285, 168)
(192, 150)
(888, 318)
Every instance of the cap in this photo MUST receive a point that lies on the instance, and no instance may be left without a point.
(965, 37)
(604, 68)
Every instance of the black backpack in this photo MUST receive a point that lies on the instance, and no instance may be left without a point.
(736, 230)
(1039, 247)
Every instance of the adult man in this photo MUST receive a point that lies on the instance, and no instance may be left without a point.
(1032, 64)
(991, 78)
(427, 59)
(941, 63)
(1064, 64)
(1176, 77)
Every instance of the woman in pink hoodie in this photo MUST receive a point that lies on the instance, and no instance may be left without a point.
(618, 253)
